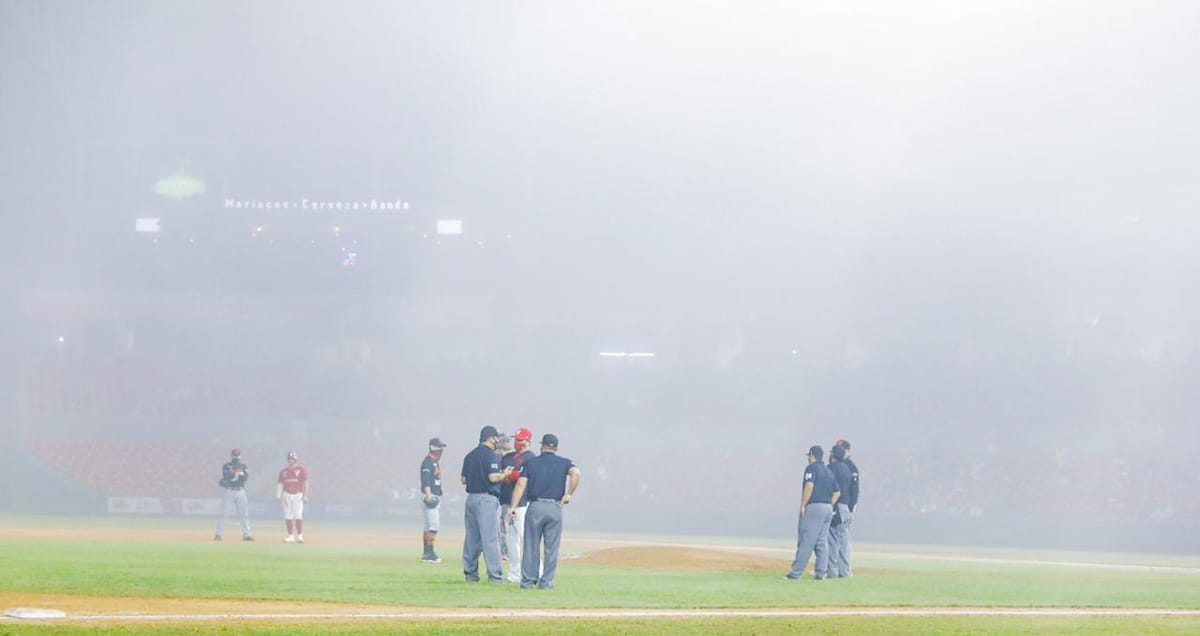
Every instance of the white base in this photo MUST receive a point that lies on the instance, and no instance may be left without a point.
(34, 612)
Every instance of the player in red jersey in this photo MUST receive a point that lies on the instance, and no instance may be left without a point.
(515, 533)
(292, 492)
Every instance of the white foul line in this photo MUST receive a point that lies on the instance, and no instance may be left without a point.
(1070, 564)
(632, 614)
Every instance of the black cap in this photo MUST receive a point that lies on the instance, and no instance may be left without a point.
(487, 433)
(237, 452)
(843, 443)
(436, 443)
(550, 440)
(816, 451)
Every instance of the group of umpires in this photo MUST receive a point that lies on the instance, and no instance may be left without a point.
(827, 506)
(522, 490)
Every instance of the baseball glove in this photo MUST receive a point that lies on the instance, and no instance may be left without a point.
(432, 501)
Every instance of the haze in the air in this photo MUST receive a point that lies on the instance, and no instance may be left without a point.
(960, 235)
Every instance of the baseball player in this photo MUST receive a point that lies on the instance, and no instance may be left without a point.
(431, 497)
(503, 447)
(292, 491)
(816, 513)
(514, 524)
(550, 482)
(481, 474)
(233, 479)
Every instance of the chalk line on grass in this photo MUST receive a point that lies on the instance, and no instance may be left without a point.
(629, 614)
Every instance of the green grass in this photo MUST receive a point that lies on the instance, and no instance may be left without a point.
(389, 574)
(767, 626)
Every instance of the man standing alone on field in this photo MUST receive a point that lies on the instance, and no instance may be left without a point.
(292, 491)
(431, 498)
(816, 512)
(233, 479)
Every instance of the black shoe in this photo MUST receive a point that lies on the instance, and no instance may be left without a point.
(791, 577)
(472, 579)
(217, 538)
(247, 538)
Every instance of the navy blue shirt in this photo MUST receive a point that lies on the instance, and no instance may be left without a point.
(230, 476)
(824, 485)
(850, 496)
(517, 461)
(431, 476)
(477, 465)
(841, 475)
(547, 475)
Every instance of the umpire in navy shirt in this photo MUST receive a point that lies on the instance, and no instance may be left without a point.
(839, 546)
(850, 498)
(481, 475)
(816, 512)
(551, 481)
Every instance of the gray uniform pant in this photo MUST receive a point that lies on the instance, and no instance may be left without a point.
(847, 527)
(813, 532)
(543, 523)
(433, 516)
(504, 531)
(234, 498)
(483, 535)
(839, 544)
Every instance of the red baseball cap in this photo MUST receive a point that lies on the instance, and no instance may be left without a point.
(523, 434)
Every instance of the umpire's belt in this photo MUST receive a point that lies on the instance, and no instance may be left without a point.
(547, 500)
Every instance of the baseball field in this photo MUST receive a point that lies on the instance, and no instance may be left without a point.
(167, 576)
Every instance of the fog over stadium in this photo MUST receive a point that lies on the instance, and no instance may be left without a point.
(690, 238)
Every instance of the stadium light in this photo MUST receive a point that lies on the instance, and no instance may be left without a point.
(179, 186)
(146, 224)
